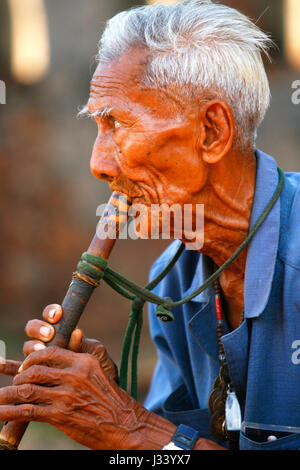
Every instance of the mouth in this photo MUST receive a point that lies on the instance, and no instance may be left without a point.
(132, 196)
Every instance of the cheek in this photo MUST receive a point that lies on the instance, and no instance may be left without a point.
(134, 147)
(167, 158)
(180, 165)
(187, 173)
(147, 149)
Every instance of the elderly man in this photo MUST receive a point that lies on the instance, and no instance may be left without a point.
(178, 95)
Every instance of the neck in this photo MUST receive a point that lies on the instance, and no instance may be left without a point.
(228, 201)
(227, 210)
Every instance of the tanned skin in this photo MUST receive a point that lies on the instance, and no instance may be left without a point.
(156, 146)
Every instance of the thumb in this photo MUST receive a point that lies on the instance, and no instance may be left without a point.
(75, 340)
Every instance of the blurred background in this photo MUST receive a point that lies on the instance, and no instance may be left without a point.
(48, 196)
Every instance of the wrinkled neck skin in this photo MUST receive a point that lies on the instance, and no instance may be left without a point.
(228, 199)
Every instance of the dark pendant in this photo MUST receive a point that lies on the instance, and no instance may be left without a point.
(218, 382)
(216, 404)
(219, 403)
(217, 426)
(217, 399)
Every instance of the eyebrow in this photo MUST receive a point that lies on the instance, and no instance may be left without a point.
(84, 112)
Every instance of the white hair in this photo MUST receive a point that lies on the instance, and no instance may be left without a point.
(206, 48)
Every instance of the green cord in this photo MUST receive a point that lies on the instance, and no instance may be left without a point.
(135, 349)
(168, 268)
(126, 349)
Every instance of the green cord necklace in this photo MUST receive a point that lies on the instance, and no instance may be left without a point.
(139, 295)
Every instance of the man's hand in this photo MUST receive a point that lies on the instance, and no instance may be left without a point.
(42, 332)
(71, 392)
(77, 393)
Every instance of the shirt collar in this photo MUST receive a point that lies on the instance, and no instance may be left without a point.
(262, 250)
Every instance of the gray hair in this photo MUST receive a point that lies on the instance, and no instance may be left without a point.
(204, 47)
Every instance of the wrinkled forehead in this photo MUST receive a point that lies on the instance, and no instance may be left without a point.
(122, 79)
(129, 68)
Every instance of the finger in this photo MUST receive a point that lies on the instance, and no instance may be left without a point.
(40, 330)
(30, 346)
(75, 340)
(51, 357)
(25, 413)
(27, 393)
(96, 349)
(52, 313)
(40, 375)
(92, 346)
(9, 367)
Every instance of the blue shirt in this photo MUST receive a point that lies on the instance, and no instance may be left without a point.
(263, 354)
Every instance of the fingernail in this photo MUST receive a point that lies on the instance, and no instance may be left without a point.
(20, 368)
(45, 331)
(51, 313)
(39, 346)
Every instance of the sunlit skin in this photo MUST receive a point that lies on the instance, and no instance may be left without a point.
(155, 146)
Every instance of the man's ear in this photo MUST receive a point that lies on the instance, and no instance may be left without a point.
(217, 131)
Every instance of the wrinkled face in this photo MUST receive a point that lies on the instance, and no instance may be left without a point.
(146, 145)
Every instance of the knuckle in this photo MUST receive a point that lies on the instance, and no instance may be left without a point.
(28, 411)
(89, 359)
(26, 391)
(50, 351)
(86, 363)
(85, 358)
(33, 372)
(93, 362)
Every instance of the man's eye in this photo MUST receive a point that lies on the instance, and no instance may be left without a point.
(115, 123)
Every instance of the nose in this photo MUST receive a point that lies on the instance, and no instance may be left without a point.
(103, 164)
